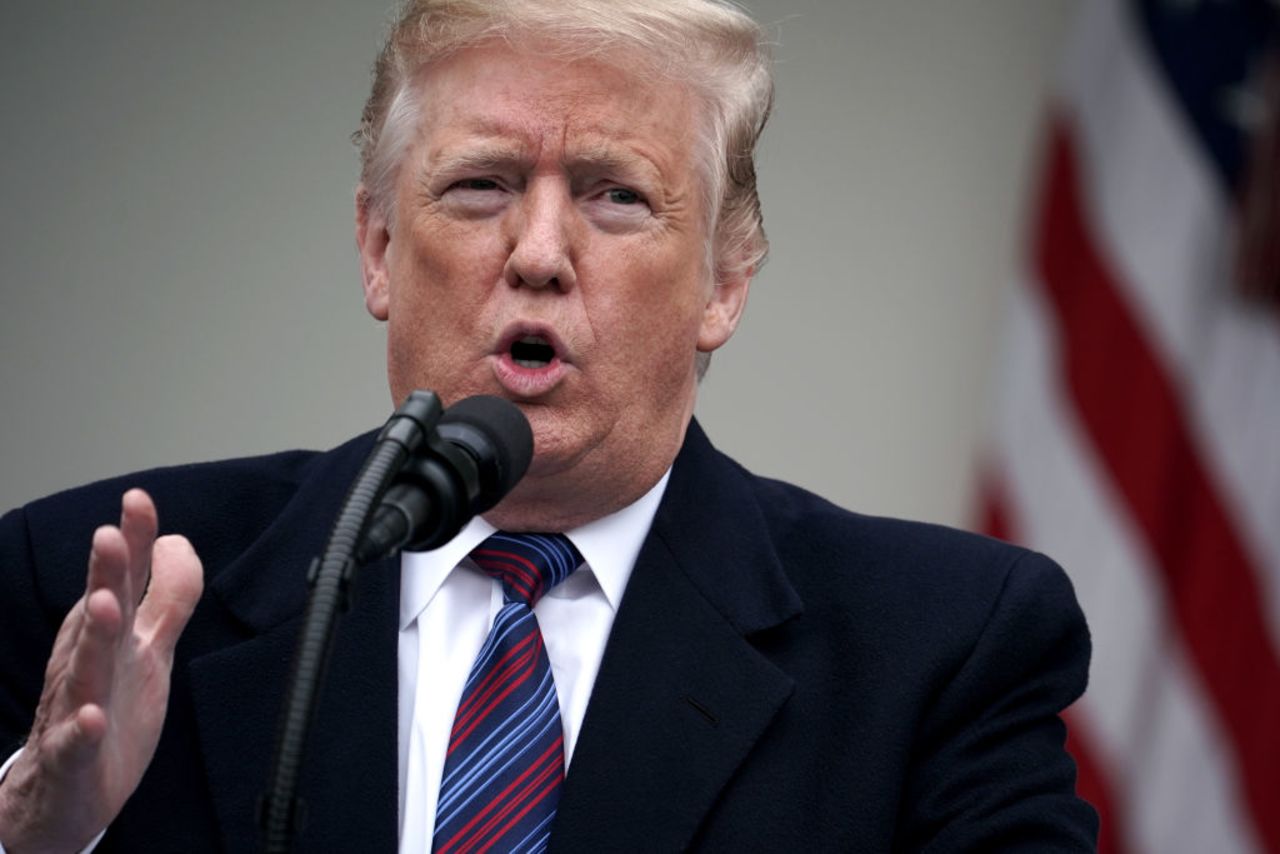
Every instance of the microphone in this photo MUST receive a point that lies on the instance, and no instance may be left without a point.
(479, 450)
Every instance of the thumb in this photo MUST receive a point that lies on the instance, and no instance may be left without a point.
(177, 580)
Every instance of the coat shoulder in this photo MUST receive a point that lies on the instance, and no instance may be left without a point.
(917, 595)
(914, 563)
(221, 506)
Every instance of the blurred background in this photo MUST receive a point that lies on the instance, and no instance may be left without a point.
(1023, 279)
(180, 275)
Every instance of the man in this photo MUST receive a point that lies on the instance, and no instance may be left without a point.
(557, 206)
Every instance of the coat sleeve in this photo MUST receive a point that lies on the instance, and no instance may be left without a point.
(990, 772)
(27, 631)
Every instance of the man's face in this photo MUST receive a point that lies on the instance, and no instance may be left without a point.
(549, 247)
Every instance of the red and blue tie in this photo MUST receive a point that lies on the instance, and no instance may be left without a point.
(505, 765)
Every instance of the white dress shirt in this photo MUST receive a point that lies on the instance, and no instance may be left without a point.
(447, 607)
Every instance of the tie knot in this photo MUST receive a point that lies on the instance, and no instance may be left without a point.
(528, 565)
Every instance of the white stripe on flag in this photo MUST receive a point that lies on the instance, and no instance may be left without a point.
(1148, 717)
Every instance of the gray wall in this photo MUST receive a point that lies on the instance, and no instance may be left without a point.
(179, 279)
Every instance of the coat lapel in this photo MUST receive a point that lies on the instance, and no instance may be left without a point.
(349, 771)
(682, 696)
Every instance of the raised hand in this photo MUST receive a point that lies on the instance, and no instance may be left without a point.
(106, 687)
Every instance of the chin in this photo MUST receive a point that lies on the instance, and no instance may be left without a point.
(559, 438)
(551, 456)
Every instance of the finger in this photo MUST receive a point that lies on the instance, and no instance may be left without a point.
(177, 580)
(138, 524)
(74, 741)
(109, 567)
(91, 670)
(107, 559)
(90, 724)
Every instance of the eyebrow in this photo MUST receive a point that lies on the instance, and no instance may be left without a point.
(480, 158)
(493, 154)
(608, 158)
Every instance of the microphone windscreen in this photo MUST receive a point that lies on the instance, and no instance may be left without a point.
(502, 426)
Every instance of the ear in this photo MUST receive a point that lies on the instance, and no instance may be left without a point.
(372, 239)
(723, 310)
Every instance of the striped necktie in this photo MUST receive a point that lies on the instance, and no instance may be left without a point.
(505, 766)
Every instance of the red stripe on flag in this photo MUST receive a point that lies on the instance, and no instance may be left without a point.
(1135, 422)
(998, 519)
(1092, 784)
(994, 516)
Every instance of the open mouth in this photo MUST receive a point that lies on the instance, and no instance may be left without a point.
(532, 351)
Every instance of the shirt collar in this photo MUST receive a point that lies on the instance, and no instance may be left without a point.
(609, 547)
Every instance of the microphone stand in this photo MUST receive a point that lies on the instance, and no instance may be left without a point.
(331, 576)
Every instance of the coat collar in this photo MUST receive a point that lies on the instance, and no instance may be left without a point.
(682, 696)
(266, 585)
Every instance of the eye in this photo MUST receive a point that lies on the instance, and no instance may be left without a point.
(623, 196)
(475, 197)
(474, 184)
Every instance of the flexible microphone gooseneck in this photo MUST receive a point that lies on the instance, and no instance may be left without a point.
(430, 471)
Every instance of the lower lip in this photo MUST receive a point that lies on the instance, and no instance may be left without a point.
(523, 382)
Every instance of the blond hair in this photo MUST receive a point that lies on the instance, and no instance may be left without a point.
(710, 45)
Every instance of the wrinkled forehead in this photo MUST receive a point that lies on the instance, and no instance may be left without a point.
(481, 82)
(625, 81)
(498, 106)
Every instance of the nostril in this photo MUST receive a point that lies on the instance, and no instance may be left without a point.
(534, 282)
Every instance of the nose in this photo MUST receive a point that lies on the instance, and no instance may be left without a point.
(542, 254)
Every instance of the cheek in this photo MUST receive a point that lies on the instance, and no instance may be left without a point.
(440, 275)
(668, 296)
(439, 283)
(652, 314)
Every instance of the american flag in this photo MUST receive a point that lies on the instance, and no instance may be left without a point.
(1137, 435)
